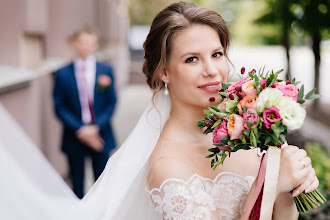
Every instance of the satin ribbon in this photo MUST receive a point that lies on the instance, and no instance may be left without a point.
(263, 198)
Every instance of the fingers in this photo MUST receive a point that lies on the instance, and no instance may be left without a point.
(313, 186)
(96, 143)
(305, 162)
(308, 181)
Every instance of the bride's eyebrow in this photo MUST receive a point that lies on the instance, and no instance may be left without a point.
(190, 54)
(218, 48)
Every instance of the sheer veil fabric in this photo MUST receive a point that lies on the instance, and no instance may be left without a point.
(32, 186)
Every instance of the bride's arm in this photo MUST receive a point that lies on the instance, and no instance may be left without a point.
(292, 175)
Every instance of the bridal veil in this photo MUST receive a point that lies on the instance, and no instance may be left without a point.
(30, 187)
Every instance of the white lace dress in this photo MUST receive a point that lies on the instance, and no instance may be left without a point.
(201, 198)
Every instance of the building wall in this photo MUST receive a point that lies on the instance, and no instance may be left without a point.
(35, 32)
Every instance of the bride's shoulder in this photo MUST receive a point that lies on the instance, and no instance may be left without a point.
(166, 163)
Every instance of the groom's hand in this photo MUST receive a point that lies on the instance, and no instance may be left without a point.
(89, 134)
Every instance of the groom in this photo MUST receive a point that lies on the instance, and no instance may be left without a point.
(84, 98)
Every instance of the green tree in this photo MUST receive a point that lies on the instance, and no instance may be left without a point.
(314, 17)
(278, 13)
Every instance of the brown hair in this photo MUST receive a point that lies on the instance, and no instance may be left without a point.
(79, 31)
(166, 25)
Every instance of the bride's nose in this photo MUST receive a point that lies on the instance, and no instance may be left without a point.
(209, 68)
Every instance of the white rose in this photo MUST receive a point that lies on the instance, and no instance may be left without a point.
(292, 114)
(267, 98)
(231, 103)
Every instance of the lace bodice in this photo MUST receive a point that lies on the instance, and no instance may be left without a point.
(202, 198)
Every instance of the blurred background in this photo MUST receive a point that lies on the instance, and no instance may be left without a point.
(289, 34)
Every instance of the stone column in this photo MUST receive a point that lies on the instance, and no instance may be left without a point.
(114, 23)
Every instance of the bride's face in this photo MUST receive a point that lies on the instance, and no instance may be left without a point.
(197, 66)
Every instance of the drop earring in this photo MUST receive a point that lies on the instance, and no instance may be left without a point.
(166, 89)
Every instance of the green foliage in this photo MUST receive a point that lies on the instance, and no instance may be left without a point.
(321, 163)
(142, 12)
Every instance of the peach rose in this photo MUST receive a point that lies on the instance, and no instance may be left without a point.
(235, 126)
(248, 89)
(249, 101)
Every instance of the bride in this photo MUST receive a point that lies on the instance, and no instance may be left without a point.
(160, 172)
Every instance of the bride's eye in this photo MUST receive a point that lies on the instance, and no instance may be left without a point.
(217, 54)
(191, 60)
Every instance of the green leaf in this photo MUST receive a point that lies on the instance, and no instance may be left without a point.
(310, 93)
(278, 72)
(214, 150)
(253, 140)
(209, 156)
(277, 123)
(268, 139)
(301, 93)
(301, 101)
(269, 80)
(225, 140)
(217, 123)
(250, 124)
(224, 94)
(200, 124)
(256, 133)
(246, 132)
(215, 108)
(225, 86)
(242, 147)
(314, 96)
(282, 137)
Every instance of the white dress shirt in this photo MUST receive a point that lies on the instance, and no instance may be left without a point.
(88, 69)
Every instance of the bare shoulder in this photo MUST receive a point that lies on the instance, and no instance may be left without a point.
(165, 163)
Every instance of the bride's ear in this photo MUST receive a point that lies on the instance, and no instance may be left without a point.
(164, 76)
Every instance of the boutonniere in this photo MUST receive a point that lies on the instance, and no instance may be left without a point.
(103, 82)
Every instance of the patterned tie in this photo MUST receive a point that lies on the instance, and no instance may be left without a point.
(86, 93)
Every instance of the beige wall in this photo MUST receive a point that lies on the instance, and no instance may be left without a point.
(33, 31)
(48, 23)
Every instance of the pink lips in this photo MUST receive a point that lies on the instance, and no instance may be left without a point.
(211, 87)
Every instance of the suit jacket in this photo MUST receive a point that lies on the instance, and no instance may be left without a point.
(68, 109)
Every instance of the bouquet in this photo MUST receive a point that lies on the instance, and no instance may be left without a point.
(256, 112)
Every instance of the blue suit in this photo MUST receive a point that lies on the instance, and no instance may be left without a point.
(68, 110)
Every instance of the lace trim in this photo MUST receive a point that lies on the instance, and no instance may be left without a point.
(249, 179)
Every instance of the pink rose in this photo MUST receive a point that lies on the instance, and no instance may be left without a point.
(235, 126)
(249, 101)
(289, 91)
(248, 88)
(220, 132)
(232, 88)
(250, 116)
(270, 116)
(222, 105)
(227, 147)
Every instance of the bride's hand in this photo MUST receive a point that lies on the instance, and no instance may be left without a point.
(296, 171)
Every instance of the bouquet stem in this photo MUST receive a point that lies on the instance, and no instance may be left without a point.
(308, 201)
